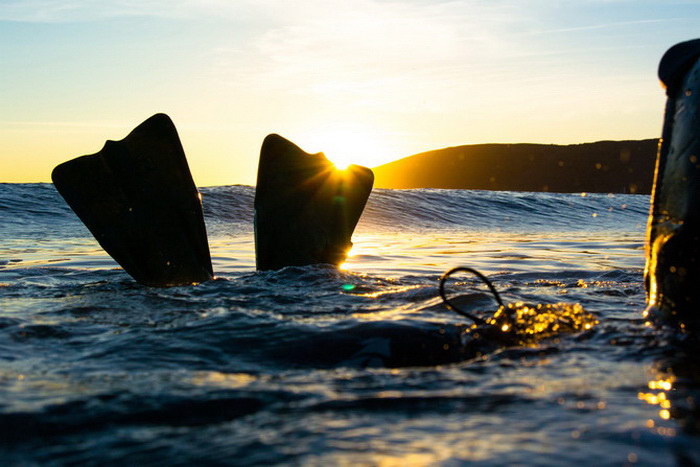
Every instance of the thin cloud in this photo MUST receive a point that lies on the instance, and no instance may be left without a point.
(607, 25)
(60, 11)
(274, 11)
(367, 43)
(60, 124)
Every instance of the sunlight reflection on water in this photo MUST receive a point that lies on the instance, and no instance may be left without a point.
(393, 254)
(390, 254)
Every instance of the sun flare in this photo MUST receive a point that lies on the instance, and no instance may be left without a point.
(348, 145)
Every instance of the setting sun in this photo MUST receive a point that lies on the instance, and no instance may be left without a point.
(345, 145)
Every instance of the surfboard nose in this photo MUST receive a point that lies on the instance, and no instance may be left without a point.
(672, 273)
(305, 209)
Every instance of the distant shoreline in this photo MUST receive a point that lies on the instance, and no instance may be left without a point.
(600, 167)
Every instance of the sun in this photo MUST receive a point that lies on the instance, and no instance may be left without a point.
(348, 144)
(342, 162)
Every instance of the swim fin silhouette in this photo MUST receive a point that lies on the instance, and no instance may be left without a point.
(138, 199)
(305, 209)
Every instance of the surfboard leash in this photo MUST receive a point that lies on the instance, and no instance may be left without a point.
(456, 309)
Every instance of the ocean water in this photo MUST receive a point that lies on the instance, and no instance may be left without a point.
(360, 365)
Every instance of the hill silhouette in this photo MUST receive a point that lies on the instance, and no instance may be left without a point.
(602, 167)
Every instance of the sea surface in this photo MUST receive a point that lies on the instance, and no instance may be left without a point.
(323, 366)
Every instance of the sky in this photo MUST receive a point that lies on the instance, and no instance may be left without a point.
(364, 81)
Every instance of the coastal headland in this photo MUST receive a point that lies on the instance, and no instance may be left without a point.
(600, 167)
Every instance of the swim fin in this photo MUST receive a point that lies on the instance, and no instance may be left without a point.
(305, 209)
(672, 273)
(138, 199)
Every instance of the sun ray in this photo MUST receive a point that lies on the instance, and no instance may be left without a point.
(345, 145)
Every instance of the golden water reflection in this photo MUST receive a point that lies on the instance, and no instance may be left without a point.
(388, 253)
(393, 254)
(660, 387)
(531, 323)
(673, 391)
(223, 380)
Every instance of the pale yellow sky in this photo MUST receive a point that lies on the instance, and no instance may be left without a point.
(367, 81)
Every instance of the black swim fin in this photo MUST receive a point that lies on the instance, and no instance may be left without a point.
(672, 273)
(305, 209)
(138, 199)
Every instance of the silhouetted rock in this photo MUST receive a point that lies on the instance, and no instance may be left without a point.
(305, 209)
(603, 167)
(138, 199)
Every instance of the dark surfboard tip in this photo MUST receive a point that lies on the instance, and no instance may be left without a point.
(138, 199)
(676, 62)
